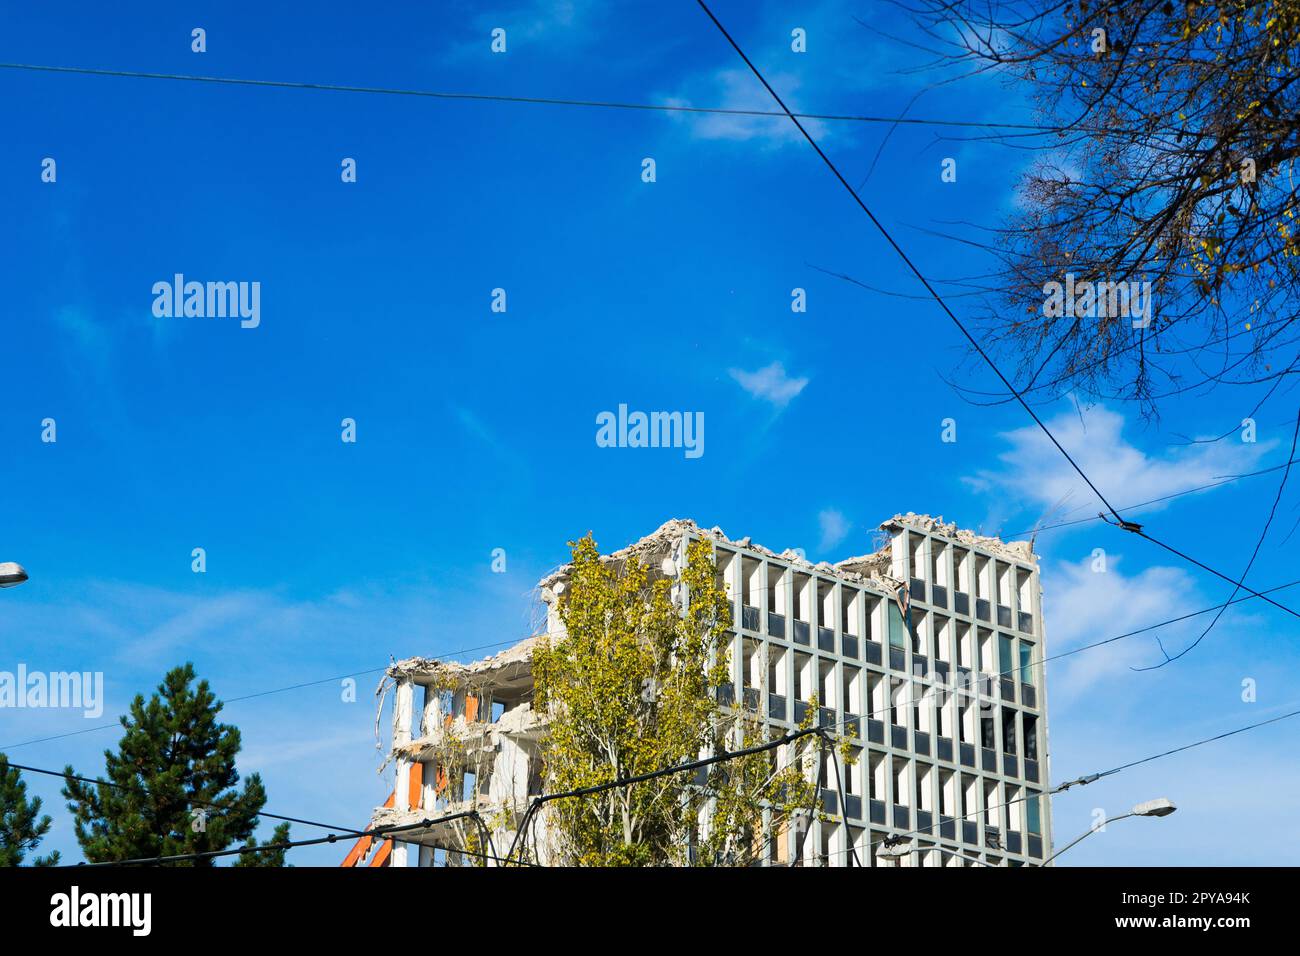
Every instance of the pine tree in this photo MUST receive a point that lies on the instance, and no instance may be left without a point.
(175, 783)
(21, 827)
(266, 857)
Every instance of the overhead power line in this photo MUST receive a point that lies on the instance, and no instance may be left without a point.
(117, 786)
(537, 802)
(560, 101)
(345, 832)
(907, 259)
(837, 724)
(389, 830)
(1259, 543)
(1094, 777)
(1226, 480)
(1120, 521)
(383, 831)
(1197, 743)
(1205, 567)
(784, 111)
(260, 693)
(977, 678)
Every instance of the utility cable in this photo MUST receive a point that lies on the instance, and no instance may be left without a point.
(1120, 521)
(553, 101)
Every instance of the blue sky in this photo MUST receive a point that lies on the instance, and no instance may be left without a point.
(476, 428)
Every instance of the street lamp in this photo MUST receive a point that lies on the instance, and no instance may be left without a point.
(897, 848)
(11, 574)
(897, 851)
(1160, 807)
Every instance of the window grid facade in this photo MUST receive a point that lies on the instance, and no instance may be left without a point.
(944, 706)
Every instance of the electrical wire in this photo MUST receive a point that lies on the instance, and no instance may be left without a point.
(1092, 778)
(1033, 128)
(785, 111)
(285, 844)
(118, 786)
(1228, 479)
(911, 701)
(539, 801)
(1259, 543)
(1120, 521)
(907, 259)
(467, 814)
(262, 693)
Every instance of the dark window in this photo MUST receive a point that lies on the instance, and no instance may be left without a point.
(826, 639)
(1031, 737)
(875, 731)
(873, 652)
(801, 632)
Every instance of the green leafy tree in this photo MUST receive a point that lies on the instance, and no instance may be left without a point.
(21, 825)
(174, 775)
(631, 687)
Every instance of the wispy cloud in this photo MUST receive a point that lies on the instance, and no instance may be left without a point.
(1085, 603)
(89, 337)
(770, 383)
(834, 527)
(480, 431)
(737, 89)
(1036, 473)
(842, 62)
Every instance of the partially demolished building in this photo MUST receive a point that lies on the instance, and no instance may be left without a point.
(925, 655)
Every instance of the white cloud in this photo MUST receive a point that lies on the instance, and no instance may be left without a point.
(835, 527)
(1037, 473)
(846, 65)
(738, 89)
(770, 383)
(1083, 605)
